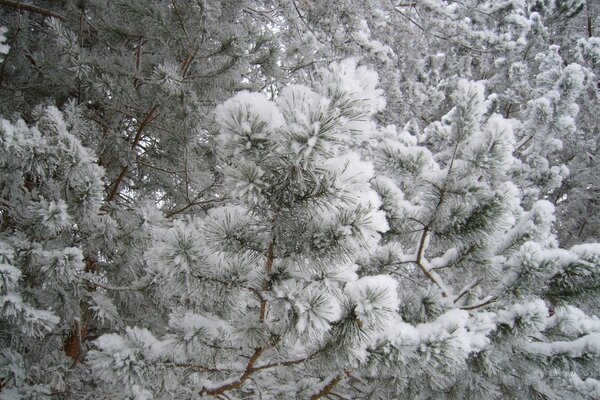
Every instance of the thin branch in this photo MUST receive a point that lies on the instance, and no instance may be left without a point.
(115, 188)
(291, 363)
(410, 20)
(185, 66)
(261, 14)
(141, 284)
(486, 301)
(466, 289)
(180, 18)
(148, 165)
(306, 23)
(250, 369)
(284, 363)
(196, 367)
(328, 388)
(138, 62)
(31, 8)
(138, 136)
(432, 275)
(195, 201)
(192, 204)
(239, 382)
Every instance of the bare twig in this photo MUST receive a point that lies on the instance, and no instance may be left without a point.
(147, 119)
(138, 62)
(195, 201)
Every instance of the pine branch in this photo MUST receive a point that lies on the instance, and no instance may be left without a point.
(466, 289)
(236, 384)
(31, 8)
(486, 301)
(147, 119)
(115, 188)
(432, 275)
(250, 369)
(138, 136)
(195, 201)
(329, 387)
(291, 363)
(141, 284)
(138, 62)
(305, 22)
(419, 261)
(589, 19)
(266, 284)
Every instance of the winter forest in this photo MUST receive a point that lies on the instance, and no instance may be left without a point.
(299, 199)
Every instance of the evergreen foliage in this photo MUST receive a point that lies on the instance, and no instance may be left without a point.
(299, 199)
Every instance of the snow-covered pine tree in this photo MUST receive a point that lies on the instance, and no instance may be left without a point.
(136, 84)
(290, 289)
(482, 282)
(261, 293)
(294, 245)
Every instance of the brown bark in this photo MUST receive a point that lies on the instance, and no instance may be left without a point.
(73, 344)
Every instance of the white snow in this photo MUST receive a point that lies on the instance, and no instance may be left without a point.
(375, 298)
(191, 324)
(588, 344)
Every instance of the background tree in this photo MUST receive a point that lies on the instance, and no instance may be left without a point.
(197, 202)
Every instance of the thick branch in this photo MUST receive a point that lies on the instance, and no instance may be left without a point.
(31, 8)
(268, 270)
(589, 19)
(147, 119)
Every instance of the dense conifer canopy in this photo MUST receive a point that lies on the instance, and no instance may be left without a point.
(299, 199)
